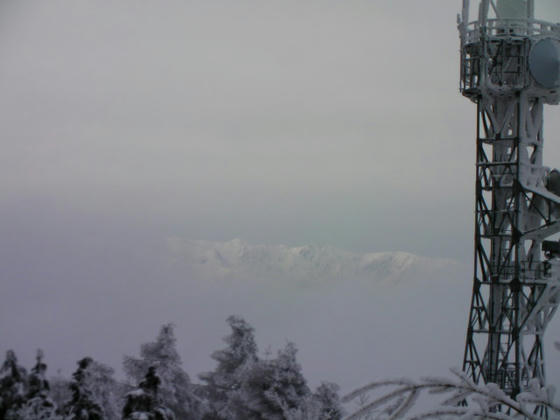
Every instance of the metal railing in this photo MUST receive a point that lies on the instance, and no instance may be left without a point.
(500, 28)
(536, 273)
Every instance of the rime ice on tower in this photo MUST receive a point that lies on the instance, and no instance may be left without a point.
(510, 67)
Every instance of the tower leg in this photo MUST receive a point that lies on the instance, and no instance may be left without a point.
(507, 314)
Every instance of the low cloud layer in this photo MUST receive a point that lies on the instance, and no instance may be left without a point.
(350, 324)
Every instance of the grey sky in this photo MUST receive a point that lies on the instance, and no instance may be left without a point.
(280, 121)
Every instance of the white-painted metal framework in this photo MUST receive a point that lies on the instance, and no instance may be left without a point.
(516, 286)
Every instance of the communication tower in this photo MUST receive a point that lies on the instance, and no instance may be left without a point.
(510, 68)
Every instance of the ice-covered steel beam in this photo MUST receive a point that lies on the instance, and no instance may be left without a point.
(510, 67)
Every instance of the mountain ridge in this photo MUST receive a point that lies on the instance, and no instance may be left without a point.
(238, 257)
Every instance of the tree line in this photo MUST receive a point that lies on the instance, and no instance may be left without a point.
(242, 386)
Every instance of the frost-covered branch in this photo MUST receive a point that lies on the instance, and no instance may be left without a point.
(484, 401)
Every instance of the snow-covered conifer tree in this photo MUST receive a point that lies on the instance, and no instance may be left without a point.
(271, 389)
(60, 390)
(329, 401)
(234, 362)
(83, 405)
(241, 350)
(105, 390)
(39, 406)
(248, 400)
(287, 390)
(13, 384)
(144, 402)
(175, 389)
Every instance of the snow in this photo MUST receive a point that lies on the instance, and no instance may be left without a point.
(309, 262)
(136, 393)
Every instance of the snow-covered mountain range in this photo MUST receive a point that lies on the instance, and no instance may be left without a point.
(302, 263)
(354, 316)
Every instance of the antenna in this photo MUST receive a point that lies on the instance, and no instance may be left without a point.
(510, 68)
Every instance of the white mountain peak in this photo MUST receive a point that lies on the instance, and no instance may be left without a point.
(237, 257)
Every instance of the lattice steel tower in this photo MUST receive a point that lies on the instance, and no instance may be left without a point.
(510, 67)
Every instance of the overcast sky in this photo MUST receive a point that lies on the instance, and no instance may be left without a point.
(282, 121)
(335, 122)
(332, 122)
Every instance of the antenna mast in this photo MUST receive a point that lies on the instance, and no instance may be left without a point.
(510, 68)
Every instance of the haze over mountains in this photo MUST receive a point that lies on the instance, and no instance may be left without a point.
(287, 122)
(354, 317)
(307, 263)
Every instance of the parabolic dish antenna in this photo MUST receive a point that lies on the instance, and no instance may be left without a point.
(544, 63)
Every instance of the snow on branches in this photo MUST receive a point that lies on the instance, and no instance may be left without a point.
(463, 400)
